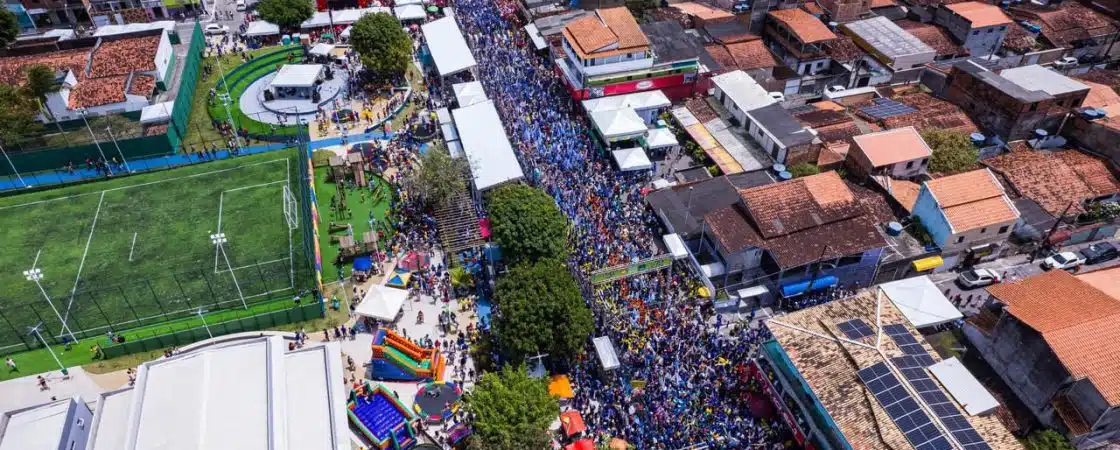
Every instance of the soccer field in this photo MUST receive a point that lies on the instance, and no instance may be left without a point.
(135, 251)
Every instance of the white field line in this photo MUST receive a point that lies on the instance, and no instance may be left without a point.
(36, 261)
(133, 247)
(221, 204)
(257, 264)
(89, 240)
(291, 250)
(256, 185)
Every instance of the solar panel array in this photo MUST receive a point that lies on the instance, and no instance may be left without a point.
(885, 107)
(855, 329)
(902, 409)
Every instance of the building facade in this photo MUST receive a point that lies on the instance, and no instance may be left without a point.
(978, 27)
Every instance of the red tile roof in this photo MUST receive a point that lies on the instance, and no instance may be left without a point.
(843, 49)
(125, 55)
(1067, 23)
(623, 25)
(13, 70)
(98, 91)
(1035, 175)
(980, 15)
(752, 55)
(142, 84)
(972, 200)
(932, 113)
(892, 147)
(807, 28)
(935, 37)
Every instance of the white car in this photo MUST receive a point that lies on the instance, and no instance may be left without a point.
(214, 28)
(1066, 62)
(977, 278)
(241, 5)
(1063, 260)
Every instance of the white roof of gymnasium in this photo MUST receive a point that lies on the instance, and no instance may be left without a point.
(382, 303)
(486, 145)
(341, 17)
(38, 427)
(964, 387)
(469, 93)
(110, 420)
(110, 30)
(1037, 78)
(262, 28)
(250, 394)
(618, 123)
(921, 301)
(410, 12)
(297, 75)
(449, 49)
(636, 101)
(744, 92)
(660, 137)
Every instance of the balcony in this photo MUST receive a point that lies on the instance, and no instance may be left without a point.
(1070, 415)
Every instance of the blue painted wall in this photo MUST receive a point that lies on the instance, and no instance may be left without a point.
(935, 222)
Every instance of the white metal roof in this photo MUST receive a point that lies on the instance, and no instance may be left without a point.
(110, 30)
(469, 93)
(297, 75)
(618, 123)
(39, 427)
(675, 245)
(159, 112)
(637, 101)
(488, 150)
(322, 49)
(382, 303)
(449, 50)
(632, 159)
(110, 420)
(921, 301)
(888, 38)
(535, 36)
(262, 28)
(455, 148)
(964, 387)
(449, 132)
(443, 115)
(1037, 78)
(743, 90)
(605, 350)
(316, 399)
(660, 138)
(341, 17)
(410, 12)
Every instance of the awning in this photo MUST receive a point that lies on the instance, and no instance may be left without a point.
(930, 263)
(675, 245)
(322, 49)
(753, 291)
(382, 303)
(632, 159)
(572, 423)
(410, 12)
(712, 270)
(262, 28)
(535, 36)
(964, 387)
(561, 387)
(802, 287)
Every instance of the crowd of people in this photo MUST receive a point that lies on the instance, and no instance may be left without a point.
(683, 377)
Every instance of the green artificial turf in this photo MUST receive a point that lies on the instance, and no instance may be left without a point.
(240, 78)
(358, 218)
(81, 238)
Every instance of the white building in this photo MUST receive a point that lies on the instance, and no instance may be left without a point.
(739, 93)
(62, 424)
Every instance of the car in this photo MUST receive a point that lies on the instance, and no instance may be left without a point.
(1063, 260)
(1099, 253)
(1066, 62)
(241, 5)
(778, 96)
(976, 278)
(741, 8)
(214, 28)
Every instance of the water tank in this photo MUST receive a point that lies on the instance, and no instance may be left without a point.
(1040, 133)
(785, 175)
(778, 168)
(832, 26)
(894, 229)
(977, 139)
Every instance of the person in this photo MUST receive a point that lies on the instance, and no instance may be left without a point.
(12, 365)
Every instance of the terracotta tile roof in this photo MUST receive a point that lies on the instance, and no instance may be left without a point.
(702, 11)
(1082, 333)
(1102, 97)
(883, 3)
(722, 57)
(934, 36)
(843, 49)
(892, 146)
(841, 132)
(830, 366)
(98, 91)
(125, 55)
(932, 113)
(729, 228)
(1110, 78)
(822, 117)
(813, 8)
(972, 200)
(623, 25)
(589, 34)
(1033, 174)
(906, 192)
(142, 84)
(1068, 23)
(1107, 280)
(701, 109)
(831, 154)
(13, 69)
(1018, 38)
(807, 28)
(751, 55)
(980, 15)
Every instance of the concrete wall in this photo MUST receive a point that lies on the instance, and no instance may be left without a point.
(1095, 136)
(164, 56)
(979, 236)
(725, 100)
(858, 274)
(77, 427)
(926, 209)
(982, 42)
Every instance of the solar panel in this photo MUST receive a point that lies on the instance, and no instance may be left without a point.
(855, 329)
(885, 107)
(913, 369)
(906, 342)
(902, 409)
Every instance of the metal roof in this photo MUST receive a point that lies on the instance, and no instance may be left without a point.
(887, 38)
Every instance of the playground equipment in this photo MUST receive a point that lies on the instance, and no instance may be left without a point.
(381, 418)
(399, 278)
(398, 359)
(437, 401)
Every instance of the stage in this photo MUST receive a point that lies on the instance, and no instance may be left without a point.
(254, 105)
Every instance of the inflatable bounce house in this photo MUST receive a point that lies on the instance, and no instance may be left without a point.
(381, 418)
(398, 359)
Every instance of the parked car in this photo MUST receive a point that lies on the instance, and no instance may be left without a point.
(1066, 62)
(214, 28)
(1099, 253)
(741, 8)
(778, 96)
(976, 278)
(241, 5)
(1063, 260)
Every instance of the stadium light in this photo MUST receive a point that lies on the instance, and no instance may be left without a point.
(82, 112)
(226, 101)
(35, 330)
(14, 170)
(34, 275)
(218, 239)
(200, 313)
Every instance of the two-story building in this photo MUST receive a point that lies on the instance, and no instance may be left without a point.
(1052, 338)
(979, 27)
(798, 39)
(891, 46)
(855, 374)
(966, 211)
(1014, 102)
(897, 153)
(61, 424)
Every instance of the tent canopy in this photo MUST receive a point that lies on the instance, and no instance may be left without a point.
(572, 423)
(297, 75)
(449, 49)
(382, 303)
(488, 150)
(469, 93)
(632, 159)
(535, 36)
(607, 357)
(410, 12)
(560, 386)
(157, 113)
(660, 138)
(262, 28)
(675, 245)
(322, 49)
(921, 302)
(340, 17)
(618, 123)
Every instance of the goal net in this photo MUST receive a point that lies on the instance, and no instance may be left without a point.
(291, 209)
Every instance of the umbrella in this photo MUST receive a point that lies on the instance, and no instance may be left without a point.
(433, 9)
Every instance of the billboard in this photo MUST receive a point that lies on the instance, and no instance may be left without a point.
(628, 270)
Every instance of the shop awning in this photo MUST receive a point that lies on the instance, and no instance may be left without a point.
(572, 423)
(802, 287)
(753, 291)
(924, 264)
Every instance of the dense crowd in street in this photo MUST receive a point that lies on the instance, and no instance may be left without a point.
(695, 386)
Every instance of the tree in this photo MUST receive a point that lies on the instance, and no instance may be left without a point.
(41, 81)
(288, 14)
(511, 411)
(526, 224)
(953, 152)
(1048, 440)
(541, 310)
(17, 117)
(440, 177)
(803, 170)
(9, 27)
(382, 44)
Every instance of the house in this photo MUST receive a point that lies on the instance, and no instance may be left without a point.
(798, 39)
(845, 10)
(1032, 174)
(855, 374)
(1098, 132)
(898, 153)
(1071, 25)
(936, 37)
(1014, 102)
(924, 112)
(966, 211)
(60, 424)
(778, 133)
(1052, 338)
(889, 44)
(739, 93)
(979, 27)
(750, 56)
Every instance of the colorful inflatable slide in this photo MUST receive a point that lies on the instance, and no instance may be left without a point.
(398, 359)
(381, 418)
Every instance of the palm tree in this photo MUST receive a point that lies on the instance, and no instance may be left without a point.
(41, 81)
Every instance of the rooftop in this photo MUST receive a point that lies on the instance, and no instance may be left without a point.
(843, 49)
(610, 31)
(685, 205)
(702, 11)
(1037, 78)
(934, 36)
(1033, 173)
(743, 90)
(1066, 24)
(972, 200)
(730, 32)
(892, 146)
(38, 427)
(1107, 280)
(830, 363)
(122, 56)
(750, 55)
(887, 38)
(1082, 333)
(807, 28)
(980, 15)
(1000, 83)
(931, 112)
(781, 125)
(672, 44)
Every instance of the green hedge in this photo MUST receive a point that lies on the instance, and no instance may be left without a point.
(240, 78)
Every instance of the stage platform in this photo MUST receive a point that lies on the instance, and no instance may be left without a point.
(253, 105)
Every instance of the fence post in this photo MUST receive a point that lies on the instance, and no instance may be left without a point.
(14, 329)
(155, 297)
(264, 282)
(108, 323)
(130, 308)
(182, 293)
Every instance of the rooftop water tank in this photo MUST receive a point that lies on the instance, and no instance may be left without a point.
(1040, 133)
(977, 139)
(894, 229)
(785, 175)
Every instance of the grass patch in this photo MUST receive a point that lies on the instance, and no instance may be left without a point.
(358, 219)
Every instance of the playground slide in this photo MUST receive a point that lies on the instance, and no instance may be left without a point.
(404, 345)
(397, 358)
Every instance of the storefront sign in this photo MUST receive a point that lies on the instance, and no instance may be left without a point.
(628, 270)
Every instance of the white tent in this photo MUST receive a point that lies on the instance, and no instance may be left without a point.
(607, 357)
(410, 12)
(469, 93)
(346, 33)
(535, 36)
(488, 150)
(262, 28)
(637, 101)
(449, 132)
(660, 138)
(408, 2)
(448, 48)
(618, 124)
(340, 17)
(632, 159)
(157, 113)
(921, 302)
(297, 75)
(382, 303)
(675, 245)
(322, 49)
(110, 30)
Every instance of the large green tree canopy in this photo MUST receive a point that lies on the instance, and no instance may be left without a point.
(541, 310)
(9, 27)
(527, 224)
(382, 44)
(511, 411)
(953, 152)
(17, 117)
(288, 14)
(440, 176)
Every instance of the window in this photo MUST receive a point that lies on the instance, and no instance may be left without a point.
(991, 30)
(960, 239)
(1003, 229)
(909, 164)
(925, 162)
(1002, 28)
(983, 230)
(976, 33)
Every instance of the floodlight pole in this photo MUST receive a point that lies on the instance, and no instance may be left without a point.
(34, 275)
(109, 129)
(35, 330)
(82, 112)
(14, 170)
(218, 239)
(204, 325)
(226, 100)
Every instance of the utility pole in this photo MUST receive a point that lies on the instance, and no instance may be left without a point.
(82, 112)
(109, 129)
(1046, 239)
